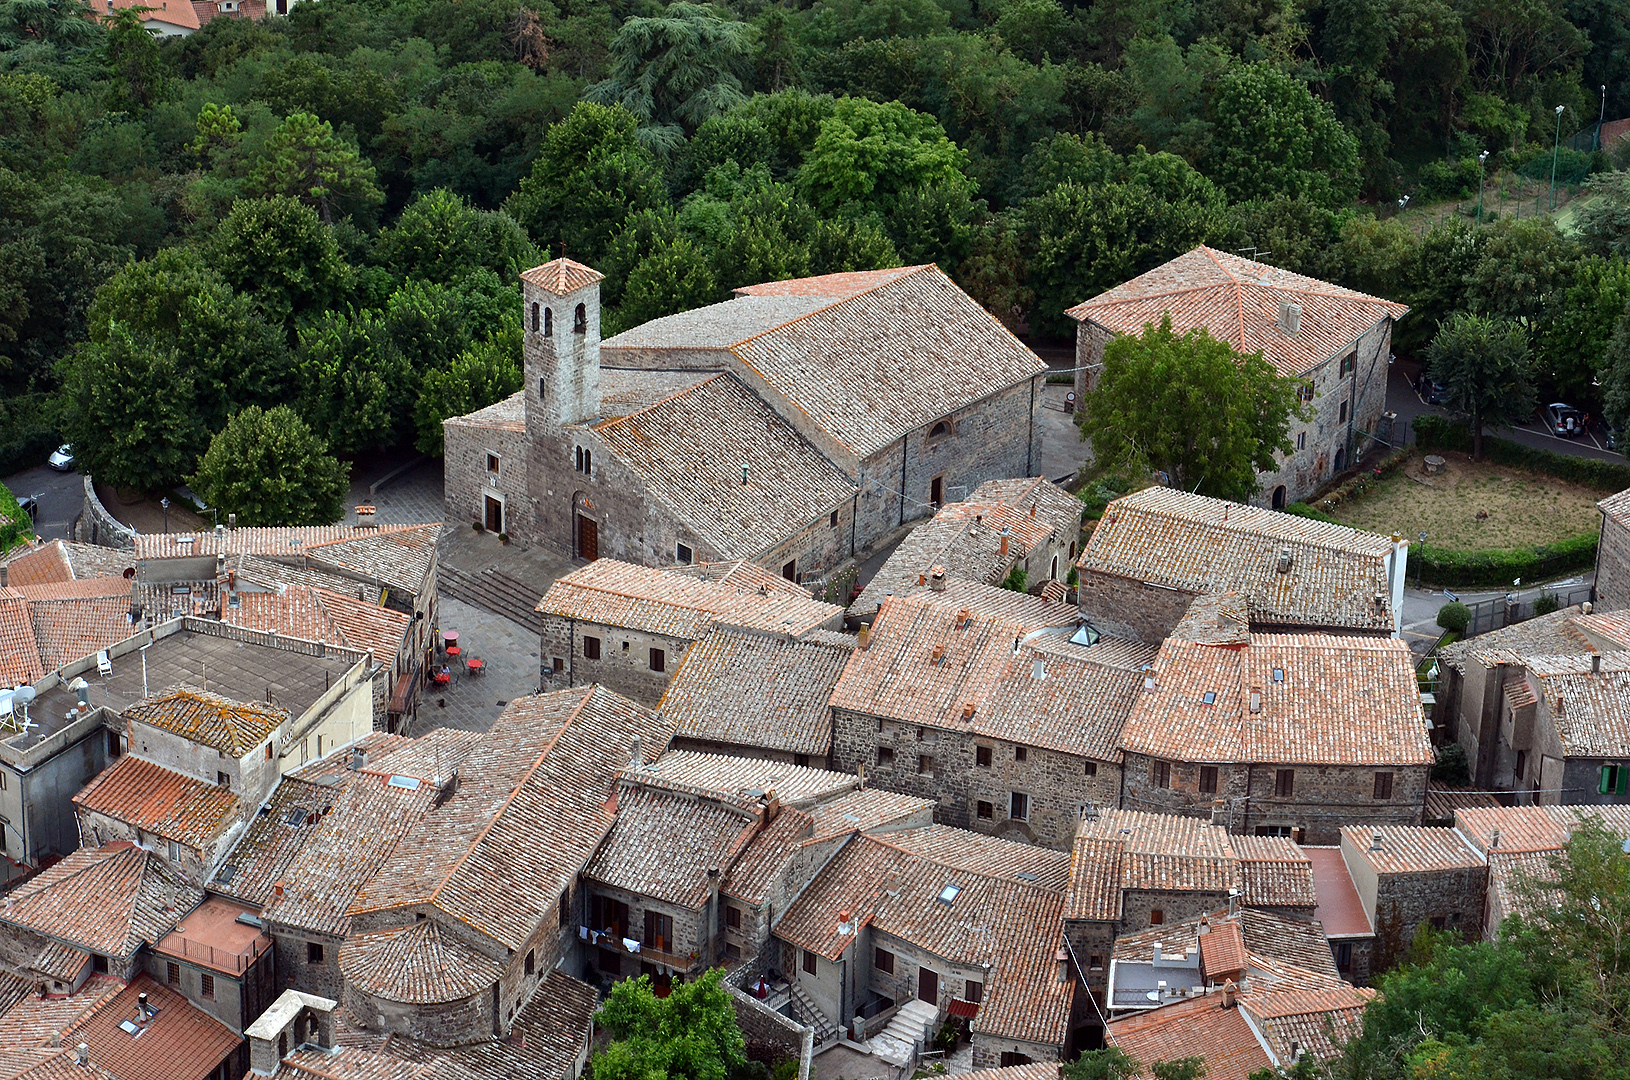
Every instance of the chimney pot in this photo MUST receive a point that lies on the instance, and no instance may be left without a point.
(1285, 560)
(82, 1054)
(636, 752)
(864, 637)
(1004, 543)
(967, 710)
(277, 890)
(939, 653)
(1229, 990)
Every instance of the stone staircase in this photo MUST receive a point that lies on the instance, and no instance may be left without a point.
(806, 1012)
(910, 1029)
(493, 591)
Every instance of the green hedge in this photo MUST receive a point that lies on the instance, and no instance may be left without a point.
(14, 524)
(1440, 433)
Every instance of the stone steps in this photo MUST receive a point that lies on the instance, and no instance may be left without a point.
(914, 1024)
(492, 591)
(807, 1012)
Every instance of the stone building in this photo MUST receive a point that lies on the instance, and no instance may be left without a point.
(626, 627)
(1278, 734)
(1337, 341)
(883, 931)
(1010, 720)
(183, 819)
(1612, 582)
(757, 694)
(792, 426)
(1408, 876)
(1032, 526)
(1157, 549)
(1473, 675)
(1518, 843)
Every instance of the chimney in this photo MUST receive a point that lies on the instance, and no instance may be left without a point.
(1285, 560)
(1229, 991)
(1494, 839)
(1584, 609)
(1159, 952)
(963, 618)
(1062, 959)
(922, 579)
(1038, 668)
(939, 653)
(1596, 664)
(1290, 318)
(1375, 841)
(636, 753)
(142, 1012)
(968, 708)
(82, 1055)
(864, 637)
(277, 890)
(1032, 509)
(1256, 699)
(359, 758)
(936, 578)
(1205, 926)
(232, 521)
(1004, 540)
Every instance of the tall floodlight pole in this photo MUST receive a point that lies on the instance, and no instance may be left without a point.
(1601, 115)
(1556, 146)
(1484, 156)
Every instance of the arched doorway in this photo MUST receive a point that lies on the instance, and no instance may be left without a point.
(1279, 497)
(585, 528)
(1341, 460)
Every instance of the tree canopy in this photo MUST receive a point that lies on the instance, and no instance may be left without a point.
(1486, 370)
(268, 468)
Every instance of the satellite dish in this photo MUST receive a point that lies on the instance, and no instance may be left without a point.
(24, 695)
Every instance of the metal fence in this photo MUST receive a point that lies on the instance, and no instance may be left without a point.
(1505, 610)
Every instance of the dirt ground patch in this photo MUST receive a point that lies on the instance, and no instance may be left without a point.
(1522, 508)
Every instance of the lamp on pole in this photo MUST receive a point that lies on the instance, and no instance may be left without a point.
(1596, 143)
(1555, 146)
(165, 503)
(1484, 156)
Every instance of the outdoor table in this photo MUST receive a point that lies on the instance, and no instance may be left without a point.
(474, 665)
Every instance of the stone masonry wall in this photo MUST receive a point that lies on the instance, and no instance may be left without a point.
(468, 482)
(296, 970)
(1146, 610)
(624, 664)
(456, 1023)
(988, 1051)
(764, 1027)
(1613, 566)
(1405, 901)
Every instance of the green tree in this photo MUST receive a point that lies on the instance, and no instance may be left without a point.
(132, 58)
(305, 160)
(1573, 338)
(675, 70)
(1522, 266)
(58, 24)
(1602, 223)
(1191, 407)
(440, 236)
(1486, 371)
(1614, 375)
(1271, 136)
(590, 177)
(268, 468)
(670, 278)
(689, 1035)
(483, 374)
(278, 251)
(355, 385)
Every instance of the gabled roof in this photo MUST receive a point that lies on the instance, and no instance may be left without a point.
(43, 565)
(232, 726)
(261, 856)
(747, 689)
(868, 810)
(181, 1042)
(1197, 544)
(399, 557)
(1319, 699)
(561, 276)
(1589, 708)
(657, 601)
(1410, 849)
(322, 615)
(1274, 872)
(107, 900)
(532, 804)
(273, 542)
(1535, 828)
(992, 856)
(693, 449)
(866, 356)
(743, 777)
(1556, 633)
(1128, 849)
(1238, 301)
(73, 620)
(20, 662)
(159, 800)
(664, 843)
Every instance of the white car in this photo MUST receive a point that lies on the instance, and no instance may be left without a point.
(63, 459)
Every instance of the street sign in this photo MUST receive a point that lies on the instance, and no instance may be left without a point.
(1452, 597)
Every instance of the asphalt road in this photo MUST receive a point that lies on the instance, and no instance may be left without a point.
(61, 497)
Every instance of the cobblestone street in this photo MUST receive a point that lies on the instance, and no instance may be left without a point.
(474, 702)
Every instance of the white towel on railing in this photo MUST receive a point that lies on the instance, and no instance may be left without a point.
(631, 945)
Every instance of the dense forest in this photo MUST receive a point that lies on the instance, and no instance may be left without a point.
(327, 211)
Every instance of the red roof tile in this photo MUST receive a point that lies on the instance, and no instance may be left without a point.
(1199, 1028)
(107, 900)
(181, 1043)
(20, 662)
(159, 800)
(561, 276)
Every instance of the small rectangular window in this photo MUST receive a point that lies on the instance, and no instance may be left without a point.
(588, 462)
(659, 660)
(790, 571)
(1383, 785)
(732, 917)
(492, 463)
(591, 648)
(884, 961)
(1344, 406)
(268, 751)
(985, 811)
(314, 952)
(99, 963)
(1301, 440)
(1019, 806)
(683, 554)
(973, 991)
(925, 764)
(172, 973)
(206, 987)
(981, 756)
(1160, 774)
(223, 780)
(812, 963)
(1021, 753)
(833, 520)
(559, 662)
(885, 755)
(1089, 768)
(1095, 962)
(1208, 779)
(1284, 783)
(175, 852)
(1157, 917)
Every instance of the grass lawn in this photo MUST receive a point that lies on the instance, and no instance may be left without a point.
(1522, 508)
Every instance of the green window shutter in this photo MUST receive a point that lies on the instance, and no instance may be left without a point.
(1605, 785)
(1624, 774)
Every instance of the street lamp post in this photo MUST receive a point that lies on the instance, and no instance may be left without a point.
(1484, 156)
(1601, 115)
(1555, 147)
(1420, 573)
(165, 503)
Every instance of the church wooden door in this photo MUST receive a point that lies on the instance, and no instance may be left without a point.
(588, 539)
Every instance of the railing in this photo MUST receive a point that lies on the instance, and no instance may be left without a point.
(1499, 612)
(220, 959)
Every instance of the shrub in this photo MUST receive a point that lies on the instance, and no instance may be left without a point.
(1500, 566)
(15, 525)
(1452, 768)
(1545, 603)
(1016, 579)
(1449, 179)
(1455, 617)
(1440, 433)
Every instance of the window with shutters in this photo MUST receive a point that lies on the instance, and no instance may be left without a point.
(1613, 780)
(683, 554)
(884, 961)
(732, 917)
(1208, 779)
(812, 963)
(1383, 785)
(981, 756)
(1284, 783)
(659, 660)
(985, 810)
(1157, 917)
(1019, 806)
(591, 648)
(973, 991)
(1160, 774)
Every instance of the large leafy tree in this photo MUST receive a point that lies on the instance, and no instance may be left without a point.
(1191, 407)
(483, 374)
(691, 1034)
(129, 409)
(1522, 266)
(356, 386)
(440, 236)
(1271, 136)
(278, 251)
(1573, 338)
(305, 160)
(1603, 222)
(268, 468)
(1486, 370)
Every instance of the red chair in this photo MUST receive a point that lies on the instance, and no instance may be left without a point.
(453, 651)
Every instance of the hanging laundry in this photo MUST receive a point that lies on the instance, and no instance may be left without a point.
(631, 945)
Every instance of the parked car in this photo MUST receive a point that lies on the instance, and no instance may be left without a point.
(1433, 393)
(1564, 420)
(30, 506)
(1610, 436)
(63, 459)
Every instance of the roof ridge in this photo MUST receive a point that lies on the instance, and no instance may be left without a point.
(909, 271)
(602, 425)
(943, 865)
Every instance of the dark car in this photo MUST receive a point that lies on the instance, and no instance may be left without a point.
(30, 506)
(1563, 420)
(1433, 393)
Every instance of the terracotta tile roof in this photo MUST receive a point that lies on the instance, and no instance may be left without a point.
(233, 726)
(741, 575)
(271, 574)
(78, 589)
(1295, 942)
(1284, 951)
(1317, 1021)
(1617, 507)
(419, 963)
(1056, 700)
(1199, 544)
(20, 662)
(690, 449)
(1609, 628)
(183, 16)
(1036, 1070)
(322, 615)
(181, 1043)
(73, 621)
(261, 856)
(1238, 301)
(428, 757)
(1441, 803)
(352, 841)
(663, 844)
(746, 689)
(33, 1020)
(159, 800)
(767, 855)
(1201, 1028)
(1274, 872)
(1167, 852)
(867, 810)
(966, 537)
(991, 856)
(506, 415)
(281, 542)
(1553, 634)
(744, 777)
(61, 962)
(1590, 710)
(43, 565)
(1222, 950)
(1013, 926)
(829, 285)
(622, 594)
(107, 900)
(1095, 880)
(1410, 849)
(1535, 828)
(534, 793)
(14, 989)
(1324, 699)
(624, 391)
(1340, 911)
(561, 276)
(868, 360)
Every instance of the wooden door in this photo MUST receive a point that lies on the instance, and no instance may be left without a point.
(659, 931)
(495, 515)
(588, 539)
(928, 986)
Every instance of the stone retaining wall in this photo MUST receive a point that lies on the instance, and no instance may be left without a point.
(97, 526)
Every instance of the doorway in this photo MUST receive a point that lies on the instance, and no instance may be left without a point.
(1279, 497)
(928, 986)
(588, 539)
(936, 491)
(495, 515)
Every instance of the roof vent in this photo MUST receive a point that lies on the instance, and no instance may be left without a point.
(1596, 664)
(1285, 560)
(82, 1054)
(1375, 841)
(1256, 699)
(1290, 318)
(1494, 839)
(1038, 668)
